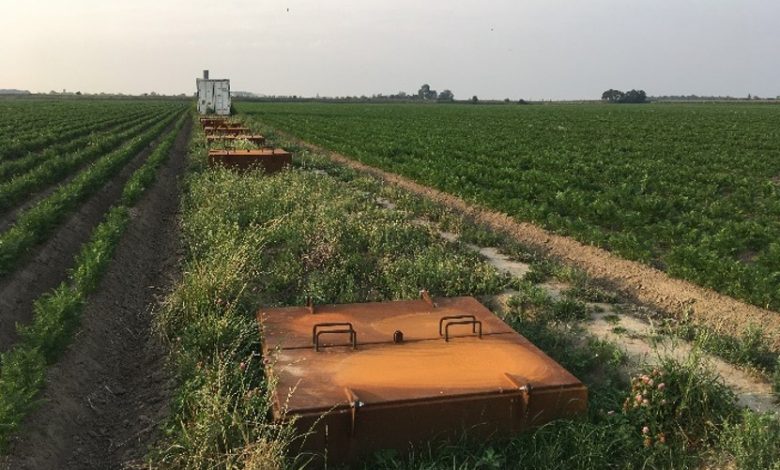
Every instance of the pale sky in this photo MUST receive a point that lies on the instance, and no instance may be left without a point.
(533, 49)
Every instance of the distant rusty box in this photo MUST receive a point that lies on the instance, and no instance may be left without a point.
(235, 130)
(254, 138)
(212, 121)
(360, 378)
(269, 159)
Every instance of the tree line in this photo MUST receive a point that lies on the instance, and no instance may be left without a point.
(617, 96)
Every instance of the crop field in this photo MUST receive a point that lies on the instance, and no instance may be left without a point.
(71, 174)
(131, 272)
(692, 189)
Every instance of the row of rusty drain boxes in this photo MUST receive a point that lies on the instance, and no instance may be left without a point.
(219, 130)
(360, 378)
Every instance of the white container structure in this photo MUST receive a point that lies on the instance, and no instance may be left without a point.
(213, 95)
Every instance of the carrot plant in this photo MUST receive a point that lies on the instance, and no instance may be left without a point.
(11, 168)
(35, 223)
(55, 169)
(57, 313)
(29, 125)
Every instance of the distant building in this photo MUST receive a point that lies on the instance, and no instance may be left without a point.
(12, 91)
(213, 95)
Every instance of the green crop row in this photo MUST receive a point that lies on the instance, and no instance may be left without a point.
(34, 224)
(690, 189)
(84, 118)
(55, 169)
(20, 165)
(23, 114)
(57, 314)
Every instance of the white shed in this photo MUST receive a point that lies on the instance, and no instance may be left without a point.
(213, 95)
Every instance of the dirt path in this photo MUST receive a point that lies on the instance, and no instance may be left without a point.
(643, 284)
(637, 338)
(633, 336)
(106, 396)
(47, 267)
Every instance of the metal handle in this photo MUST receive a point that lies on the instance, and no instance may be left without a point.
(316, 332)
(456, 317)
(474, 324)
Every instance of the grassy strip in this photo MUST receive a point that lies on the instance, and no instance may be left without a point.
(11, 168)
(254, 240)
(34, 225)
(54, 169)
(57, 314)
(306, 235)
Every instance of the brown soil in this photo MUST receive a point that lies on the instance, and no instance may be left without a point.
(47, 266)
(109, 392)
(640, 283)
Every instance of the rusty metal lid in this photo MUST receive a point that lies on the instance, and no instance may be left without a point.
(309, 381)
(265, 152)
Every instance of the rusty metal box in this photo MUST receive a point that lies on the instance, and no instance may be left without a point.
(360, 378)
(254, 138)
(235, 130)
(270, 159)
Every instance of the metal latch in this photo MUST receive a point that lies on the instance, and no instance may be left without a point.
(525, 391)
(355, 404)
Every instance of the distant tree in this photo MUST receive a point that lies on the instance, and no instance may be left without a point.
(446, 95)
(474, 99)
(635, 96)
(613, 96)
(522, 101)
(422, 93)
(617, 96)
(426, 93)
(506, 100)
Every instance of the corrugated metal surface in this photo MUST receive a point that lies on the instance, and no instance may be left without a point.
(213, 96)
